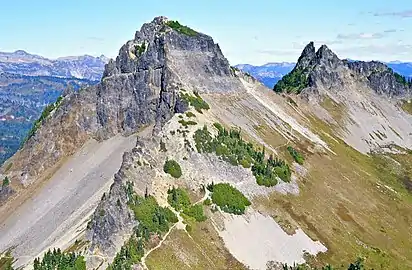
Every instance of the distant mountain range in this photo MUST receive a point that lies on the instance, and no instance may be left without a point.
(29, 82)
(82, 67)
(270, 73)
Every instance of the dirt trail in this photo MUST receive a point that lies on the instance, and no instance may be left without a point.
(54, 215)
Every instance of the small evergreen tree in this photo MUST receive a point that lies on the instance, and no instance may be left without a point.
(6, 182)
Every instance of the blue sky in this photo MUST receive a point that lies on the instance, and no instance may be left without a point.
(253, 32)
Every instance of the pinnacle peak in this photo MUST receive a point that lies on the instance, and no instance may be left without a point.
(309, 48)
(308, 54)
(325, 53)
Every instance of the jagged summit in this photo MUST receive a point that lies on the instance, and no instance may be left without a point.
(308, 54)
(323, 68)
(156, 38)
(163, 57)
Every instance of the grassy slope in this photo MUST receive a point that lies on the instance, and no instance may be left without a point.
(407, 107)
(342, 205)
(203, 249)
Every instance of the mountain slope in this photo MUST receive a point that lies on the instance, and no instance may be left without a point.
(22, 99)
(340, 91)
(299, 192)
(30, 82)
(82, 67)
(270, 73)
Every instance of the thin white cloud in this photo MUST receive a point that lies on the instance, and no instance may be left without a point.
(390, 31)
(402, 14)
(97, 39)
(360, 36)
(365, 36)
(385, 52)
(329, 42)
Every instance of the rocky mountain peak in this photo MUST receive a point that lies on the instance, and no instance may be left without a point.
(323, 56)
(308, 54)
(324, 68)
(327, 57)
(163, 57)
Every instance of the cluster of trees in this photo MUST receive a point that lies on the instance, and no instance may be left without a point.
(296, 155)
(12, 133)
(403, 80)
(152, 218)
(58, 260)
(196, 101)
(173, 168)
(6, 261)
(179, 200)
(130, 254)
(175, 25)
(230, 146)
(228, 198)
(357, 265)
(195, 211)
(266, 173)
(187, 123)
(293, 82)
(46, 112)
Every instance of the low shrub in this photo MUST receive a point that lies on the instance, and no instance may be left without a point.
(228, 198)
(173, 168)
(296, 155)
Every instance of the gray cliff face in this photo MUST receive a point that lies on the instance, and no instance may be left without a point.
(324, 68)
(112, 216)
(5, 192)
(140, 87)
(307, 56)
(381, 78)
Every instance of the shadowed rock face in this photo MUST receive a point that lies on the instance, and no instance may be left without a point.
(381, 78)
(140, 86)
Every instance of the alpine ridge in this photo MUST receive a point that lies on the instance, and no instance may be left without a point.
(176, 160)
(368, 95)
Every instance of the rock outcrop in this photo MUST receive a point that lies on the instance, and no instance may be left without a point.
(150, 69)
(323, 68)
(112, 216)
(381, 78)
